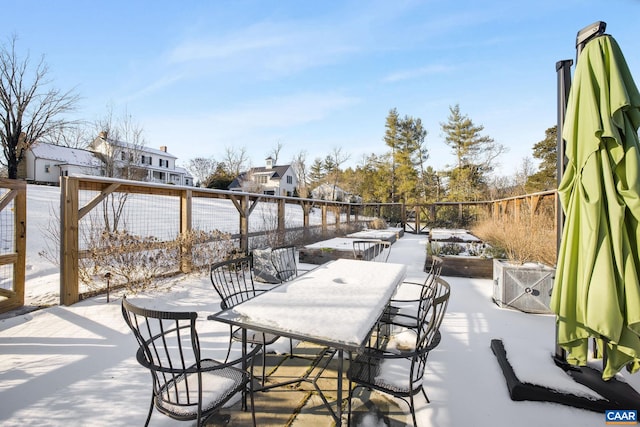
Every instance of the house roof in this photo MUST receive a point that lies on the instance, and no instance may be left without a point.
(64, 155)
(141, 148)
(275, 172)
(184, 171)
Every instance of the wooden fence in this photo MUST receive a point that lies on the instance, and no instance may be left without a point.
(166, 211)
(13, 234)
(420, 217)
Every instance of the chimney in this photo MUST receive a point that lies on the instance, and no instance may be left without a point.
(163, 148)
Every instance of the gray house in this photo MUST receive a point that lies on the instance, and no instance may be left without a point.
(270, 179)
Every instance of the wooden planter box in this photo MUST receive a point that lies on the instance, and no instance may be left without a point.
(465, 266)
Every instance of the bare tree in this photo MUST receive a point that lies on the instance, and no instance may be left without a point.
(522, 174)
(29, 108)
(119, 144)
(333, 162)
(299, 165)
(235, 159)
(202, 169)
(73, 136)
(275, 152)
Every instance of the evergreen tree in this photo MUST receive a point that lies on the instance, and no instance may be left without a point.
(547, 152)
(475, 156)
(317, 174)
(392, 139)
(406, 137)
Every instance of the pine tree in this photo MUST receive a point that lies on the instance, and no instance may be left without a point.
(475, 156)
(547, 152)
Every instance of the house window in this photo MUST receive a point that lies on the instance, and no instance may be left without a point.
(261, 179)
(47, 168)
(289, 179)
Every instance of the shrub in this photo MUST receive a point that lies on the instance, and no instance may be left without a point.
(377, 224)
(528, 240)
(135, 262)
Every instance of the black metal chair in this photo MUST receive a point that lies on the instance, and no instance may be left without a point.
(405, 311)
(185, 386)
(371, 250)
(400, 372)
(284, 262)
(233, 281)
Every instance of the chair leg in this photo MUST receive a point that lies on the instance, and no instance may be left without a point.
(253, 407)
(349, 397)
(412, 408)
(264, 360)
(230, 343)
(150, 411)
(425, 395)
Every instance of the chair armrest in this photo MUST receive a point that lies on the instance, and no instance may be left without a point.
(411, 284)
(379, 354)
(233, 363)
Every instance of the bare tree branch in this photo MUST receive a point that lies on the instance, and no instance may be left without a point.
(30, 109)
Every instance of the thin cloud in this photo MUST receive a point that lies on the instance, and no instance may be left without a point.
(417, 73)
(155, 86)
(280, 48)
(284, 111)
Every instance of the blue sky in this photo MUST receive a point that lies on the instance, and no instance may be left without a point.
(200, 76)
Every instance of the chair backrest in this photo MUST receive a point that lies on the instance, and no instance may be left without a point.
(168, 346)
(436, 266)
(371, 250)
(284, 262)
(428, 336)
(429, 287)
(233, 281)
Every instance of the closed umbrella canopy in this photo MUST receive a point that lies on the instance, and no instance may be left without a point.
(597, 285)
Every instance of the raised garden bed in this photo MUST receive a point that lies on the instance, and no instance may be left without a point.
(460, 252)
(465, 266)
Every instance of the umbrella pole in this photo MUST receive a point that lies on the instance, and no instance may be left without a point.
(563, 69)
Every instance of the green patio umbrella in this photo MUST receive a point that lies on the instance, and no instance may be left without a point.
(597, 286)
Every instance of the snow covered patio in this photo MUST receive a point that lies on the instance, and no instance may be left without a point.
(75, 366)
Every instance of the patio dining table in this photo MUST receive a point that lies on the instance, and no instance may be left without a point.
(336, 305)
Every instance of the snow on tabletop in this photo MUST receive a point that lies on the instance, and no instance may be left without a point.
(339, 301)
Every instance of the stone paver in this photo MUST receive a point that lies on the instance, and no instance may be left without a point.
(300, 405)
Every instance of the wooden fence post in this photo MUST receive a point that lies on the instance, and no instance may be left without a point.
(186, 258)
(281, 223)
(69, 245)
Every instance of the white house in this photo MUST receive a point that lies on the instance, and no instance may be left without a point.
(334, 193)
(139, 162)
(270, 179)
(46, 163)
